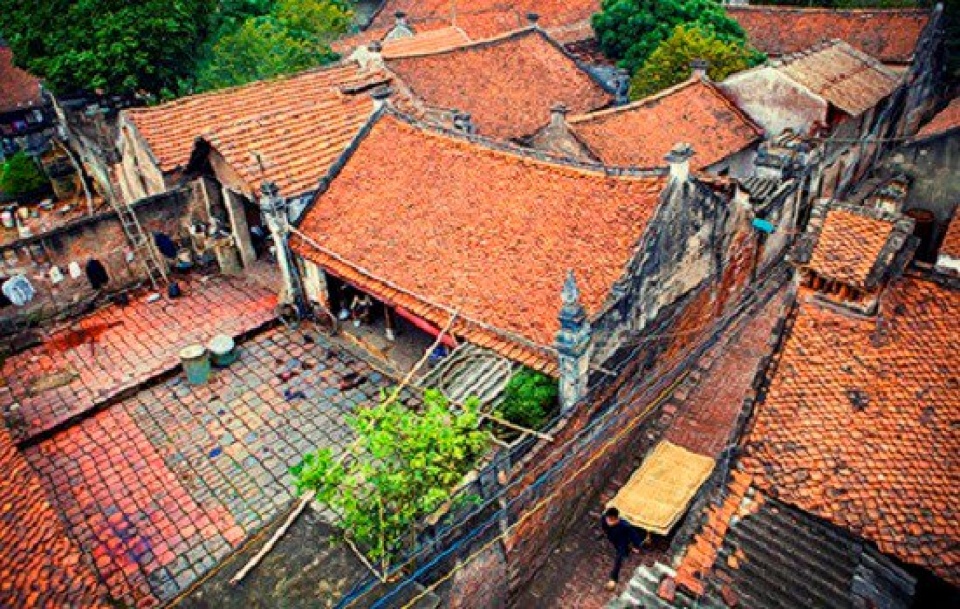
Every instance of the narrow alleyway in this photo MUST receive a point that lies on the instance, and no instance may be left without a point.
(700, 416)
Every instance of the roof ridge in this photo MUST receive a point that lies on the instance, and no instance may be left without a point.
(485, 42)
(526, 154)
(582, 118)
(772, 8)
(180, 101)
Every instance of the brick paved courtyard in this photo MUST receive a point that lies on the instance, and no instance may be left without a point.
(700, 416)
(118, 348)
(161, 486)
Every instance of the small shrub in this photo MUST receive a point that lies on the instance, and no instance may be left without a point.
(20, 175)
(529, 398)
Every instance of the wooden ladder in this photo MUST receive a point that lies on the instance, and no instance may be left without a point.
(142, 243)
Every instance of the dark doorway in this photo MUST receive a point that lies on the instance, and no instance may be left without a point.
(924, 230)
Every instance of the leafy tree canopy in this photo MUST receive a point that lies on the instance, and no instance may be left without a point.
(113, 45)
(631, 30)
(528, 398)
(670, 63)
(402, 468)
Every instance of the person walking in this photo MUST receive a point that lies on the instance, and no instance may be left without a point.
(622, 535)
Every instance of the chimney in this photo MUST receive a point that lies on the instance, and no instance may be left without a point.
(533, 19)
(558, 115)
(621, 84)
(463, 122)
(380, 96)
(679, 160)
(369, 57)
(698, 69)
(401, 29)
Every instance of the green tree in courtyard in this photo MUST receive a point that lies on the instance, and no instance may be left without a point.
(401, 469)
(670, 63)
(113, 45)
(629, 31)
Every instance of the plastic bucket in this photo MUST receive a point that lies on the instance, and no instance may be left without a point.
(223, 351)
(196, 363)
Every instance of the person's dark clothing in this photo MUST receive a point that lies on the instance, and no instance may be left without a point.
(165, 244)
(621, 535)
(96, 274)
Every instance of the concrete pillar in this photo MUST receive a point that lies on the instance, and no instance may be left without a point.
(573, 346)
(239, 226)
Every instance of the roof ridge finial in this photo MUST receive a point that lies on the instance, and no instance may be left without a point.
(571, 292)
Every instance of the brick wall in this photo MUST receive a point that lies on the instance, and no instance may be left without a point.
(101, 237)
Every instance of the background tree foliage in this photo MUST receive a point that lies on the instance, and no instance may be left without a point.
(402, 468)
(629, 31)
(164, 48)
(294, 36)
(113, 45)
(670, 63)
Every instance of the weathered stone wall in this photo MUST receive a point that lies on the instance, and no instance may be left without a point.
(775, 102)
(681, 250)
(935, 187)
(101, 237)
(140, 176)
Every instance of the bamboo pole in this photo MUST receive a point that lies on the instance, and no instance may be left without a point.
(304, 501)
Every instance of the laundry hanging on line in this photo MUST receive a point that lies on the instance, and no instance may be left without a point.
(75, 271)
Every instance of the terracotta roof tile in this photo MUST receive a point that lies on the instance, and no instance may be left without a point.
(424, 41)
(40, 566)
(18, 89)
(844, 76)
(849, 246)
(641, 133)
(487, 18)
(888, 35)
(298, 125)
(859, 424)
(507, 84)
(432, 223)
(946, 120)
(951, 240)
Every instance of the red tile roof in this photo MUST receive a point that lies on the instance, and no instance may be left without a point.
(297, 125)
(487, 18)
(641, 133)
(859, 424)
(951, 241)
(946, 120)
(18, 89)
(507, 84)
(888, 35)
(426, 41)
(849, 246)
(442, 223)
(842, 75)
(40, 566)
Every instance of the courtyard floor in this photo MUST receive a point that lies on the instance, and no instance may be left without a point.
(116, 349)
